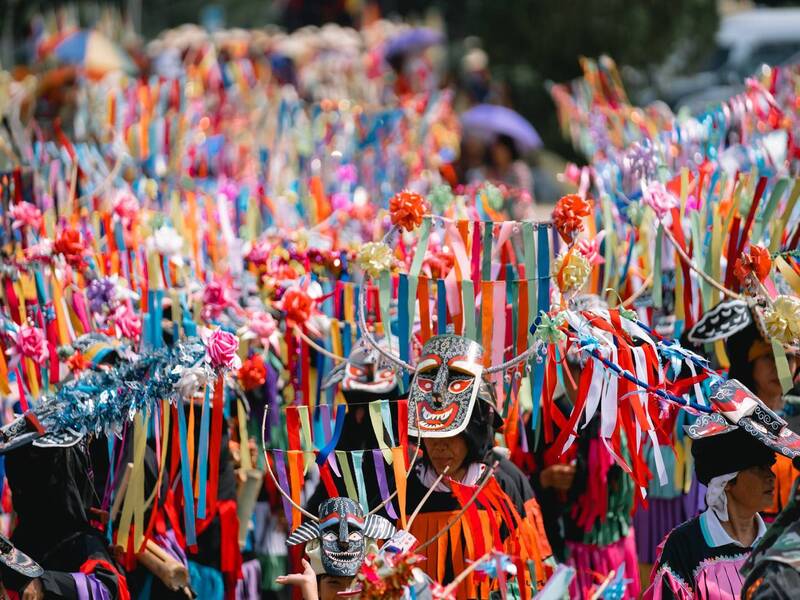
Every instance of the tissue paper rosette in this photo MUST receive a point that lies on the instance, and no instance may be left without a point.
(568, 216)
(407, 209)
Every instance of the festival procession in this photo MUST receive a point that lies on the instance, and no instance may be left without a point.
(310, 306)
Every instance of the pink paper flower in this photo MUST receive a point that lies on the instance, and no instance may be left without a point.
(216, 298)
(126, 207)
(29, 342)
(347, 174)
(259, 253)
(25, 213)
(263, 325)
(656, 196)
(128, 322)
(42, 250)
(340, 201)
(590, 249)
(221, 347)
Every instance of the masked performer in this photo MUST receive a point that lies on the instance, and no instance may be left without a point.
(451, 408)
(336, 546)
(701, 558)
(365, 377)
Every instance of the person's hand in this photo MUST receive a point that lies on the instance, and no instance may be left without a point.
(559, 477)
(33, 591)
(306, 581)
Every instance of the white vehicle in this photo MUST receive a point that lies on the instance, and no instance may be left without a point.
(744, 41)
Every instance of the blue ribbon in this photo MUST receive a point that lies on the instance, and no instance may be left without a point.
(186, 482)
(202, 465)
(341, 411)
(543, 305)
(441, 307)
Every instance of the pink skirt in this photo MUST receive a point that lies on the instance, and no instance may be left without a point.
(593, 564)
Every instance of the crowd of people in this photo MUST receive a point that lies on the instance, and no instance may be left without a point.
(276, 319)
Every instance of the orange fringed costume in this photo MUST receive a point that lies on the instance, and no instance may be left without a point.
(492, 521)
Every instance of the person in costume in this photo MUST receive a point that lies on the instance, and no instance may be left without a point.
(772, 571)
(451, 408)
(701, 558)
(571, 486)
(365, 377)
(753, 363)
(53, 496)
(336, 546)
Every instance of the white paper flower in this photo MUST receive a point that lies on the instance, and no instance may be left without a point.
(193, 380)
(166, 241)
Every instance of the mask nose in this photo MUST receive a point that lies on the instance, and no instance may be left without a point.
(343, 533)
(440, 386)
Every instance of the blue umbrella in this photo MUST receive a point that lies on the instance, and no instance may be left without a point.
(489, 120)
(412, 40)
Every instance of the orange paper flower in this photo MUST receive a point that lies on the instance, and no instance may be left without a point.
(568, 216)
(297, 305)
(756, 262)
(70, 244)
(407, 210)
(78, 362)
(253, 372)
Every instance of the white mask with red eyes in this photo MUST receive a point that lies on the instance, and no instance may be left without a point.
(367, 371)
(445, 386)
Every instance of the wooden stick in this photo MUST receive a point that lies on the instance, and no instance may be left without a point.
(463, 510)
(425, 498)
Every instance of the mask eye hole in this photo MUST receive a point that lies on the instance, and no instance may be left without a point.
(356, 371)
(330, 536)
(354, 536)
(459, 385)
(425, 384)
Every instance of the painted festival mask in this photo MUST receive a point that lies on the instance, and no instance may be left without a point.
(366, 375)
(338, 544)
(445, 386)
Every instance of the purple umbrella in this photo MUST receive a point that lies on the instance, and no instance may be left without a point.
(489, 120)
(412, 40)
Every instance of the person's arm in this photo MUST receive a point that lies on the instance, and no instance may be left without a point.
(306, 581)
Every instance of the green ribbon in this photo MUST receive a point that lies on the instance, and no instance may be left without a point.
(468, 295)
(658, 300)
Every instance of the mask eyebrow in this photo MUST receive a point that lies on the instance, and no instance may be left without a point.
(355, 521)
(329, 521)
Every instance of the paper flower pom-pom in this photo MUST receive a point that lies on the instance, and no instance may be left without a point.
(253, 372)
(216, 298)
(25, 213)
(755, 263)
(782, 319)
(407, 210)
(441, 197)
(70, 245)
(590, 249)
(375, 258)
(657, 197)
(78, 362)
(127, 322)
(191, 380)
(571, 271)
(297, 305)
(221, 347)
(568, 216)
(29, 342)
